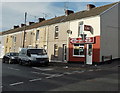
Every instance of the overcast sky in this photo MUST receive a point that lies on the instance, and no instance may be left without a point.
(13, 12)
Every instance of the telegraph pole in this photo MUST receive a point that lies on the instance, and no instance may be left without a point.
(24, 30)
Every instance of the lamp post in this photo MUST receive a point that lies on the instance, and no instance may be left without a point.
(83, 39)
(24, 30)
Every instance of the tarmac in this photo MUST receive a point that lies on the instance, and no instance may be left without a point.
(83, 65)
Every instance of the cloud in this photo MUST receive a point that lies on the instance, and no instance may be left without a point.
(13, 12)
(59, 0)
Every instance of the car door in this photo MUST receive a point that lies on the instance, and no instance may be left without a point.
(6, 57)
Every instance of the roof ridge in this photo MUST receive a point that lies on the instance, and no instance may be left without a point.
(73, 16)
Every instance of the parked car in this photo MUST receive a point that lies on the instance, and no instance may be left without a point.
(11, 57)
(31, 56)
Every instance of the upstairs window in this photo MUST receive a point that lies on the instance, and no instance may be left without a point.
(37, 35)
(7, 40)
(56, 32)
(15, 39)
(80, 28)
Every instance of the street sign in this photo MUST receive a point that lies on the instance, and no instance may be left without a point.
(80, 40)
(87, 28)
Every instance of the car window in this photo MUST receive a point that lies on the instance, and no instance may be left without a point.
(36, 51)
(7, 54)
(13, 54)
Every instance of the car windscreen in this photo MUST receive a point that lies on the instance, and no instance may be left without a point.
(14, 54)
(36, 51)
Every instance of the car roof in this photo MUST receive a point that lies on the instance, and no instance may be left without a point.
(13, 52)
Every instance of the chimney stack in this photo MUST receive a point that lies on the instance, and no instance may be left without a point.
(68, 12)
(41, 19)
(22, 25)
(16, 26)
(90, 6)
(30, 23)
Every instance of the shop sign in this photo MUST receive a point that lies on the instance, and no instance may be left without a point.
(87, 28)
(79, 40)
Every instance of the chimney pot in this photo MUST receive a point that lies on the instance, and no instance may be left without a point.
(16, 26)
(90, 6)
(22, 25)
(68, 12)
(30, 23)
(41, 19)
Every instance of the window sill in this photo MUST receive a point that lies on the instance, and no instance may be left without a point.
(56, 38)
(78, 56)
(55, 56)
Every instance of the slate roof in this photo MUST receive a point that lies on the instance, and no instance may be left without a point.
(79, 15)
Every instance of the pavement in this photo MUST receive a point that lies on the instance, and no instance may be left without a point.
(82, 65)
(85, 66)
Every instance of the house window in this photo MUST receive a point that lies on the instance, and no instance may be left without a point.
(25, 33)
(14, 39)
(78, 50)
(56, 32)
(36, 46)
(7, 40)
(55, 50)
(80, 28)
(5, 49)
(37, 35)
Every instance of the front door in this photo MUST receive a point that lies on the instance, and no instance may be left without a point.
(64, 52)
(89, 54)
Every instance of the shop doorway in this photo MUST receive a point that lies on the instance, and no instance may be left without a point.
(89, 54)
(64, 52)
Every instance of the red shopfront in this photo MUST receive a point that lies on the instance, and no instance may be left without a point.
(84, 51)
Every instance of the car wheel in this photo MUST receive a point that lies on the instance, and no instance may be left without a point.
(9, 61)
(20, 62)
(29, 63)
(3, 61)
(45, 64)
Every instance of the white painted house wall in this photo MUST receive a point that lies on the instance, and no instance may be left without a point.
(109, 32)
(92, 21)
(119, 31)
(1, 47)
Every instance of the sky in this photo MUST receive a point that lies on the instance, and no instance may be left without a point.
(12, 12)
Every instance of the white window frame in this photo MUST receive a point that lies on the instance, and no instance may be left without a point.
(55, 50)
(80, 28)
(80, 45)
(56, 32)
(15, 38)
(37, 34)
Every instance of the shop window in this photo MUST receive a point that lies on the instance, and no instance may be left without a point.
(56, 32)
(56, 50)
(78, 50)
(80, 28)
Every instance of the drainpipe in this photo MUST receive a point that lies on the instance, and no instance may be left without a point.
(47, 38)
(68, 33)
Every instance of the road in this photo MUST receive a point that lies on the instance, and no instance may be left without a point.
(54, 78)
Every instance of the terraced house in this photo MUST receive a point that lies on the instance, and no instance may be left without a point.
(87, 36)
